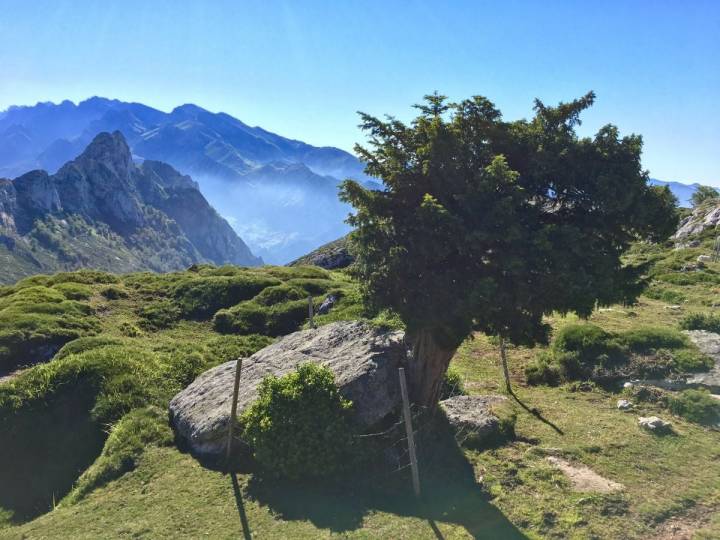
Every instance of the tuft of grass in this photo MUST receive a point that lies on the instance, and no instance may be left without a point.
(701, 321)
(697, 406)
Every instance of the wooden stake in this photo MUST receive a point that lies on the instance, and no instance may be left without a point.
(409, 433)
(233, 410)
(310, 312)
(503, 361)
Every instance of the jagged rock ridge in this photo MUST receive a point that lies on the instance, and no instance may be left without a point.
(102, 210)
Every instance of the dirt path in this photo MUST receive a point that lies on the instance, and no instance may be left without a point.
(583, 478)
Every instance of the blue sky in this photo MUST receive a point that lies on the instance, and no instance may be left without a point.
(303, 68)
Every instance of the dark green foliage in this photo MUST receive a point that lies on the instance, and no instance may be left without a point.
(702, 194)
(490, 225)
(584, 351)
(285, 318)
(690, 278)
(689, 360)
(652, 338)
(701, 321)
(697, 406)
(666, 295)
(127, 440)
(159, 315)
(201, 298)
(299, 427)
(543, 371)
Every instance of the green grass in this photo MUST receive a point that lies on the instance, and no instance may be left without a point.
(134, 483)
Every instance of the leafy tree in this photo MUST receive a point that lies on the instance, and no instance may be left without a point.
(490, 225)
(702, 194)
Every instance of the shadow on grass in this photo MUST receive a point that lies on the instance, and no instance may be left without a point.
(536, 413)
(240, 507)
(450, 495)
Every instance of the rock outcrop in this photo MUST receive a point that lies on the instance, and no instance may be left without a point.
(472, 418)
(331, 256)
(363, 358)
(705, 216)
(101, 210)
(709, 344)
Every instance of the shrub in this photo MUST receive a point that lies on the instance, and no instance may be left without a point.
(651, 338)
(666, 295)
(543, 371)
(697, 406)
(124, 446)
(701, 321)
(590, 343)
(159, 315)
(452, 384)
(299, 427)
(689, 360)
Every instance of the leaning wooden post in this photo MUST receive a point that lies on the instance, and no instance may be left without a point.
(310, 312)
(409, 433)
(233, 410)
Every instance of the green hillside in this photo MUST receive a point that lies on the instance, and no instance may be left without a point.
(91, 455)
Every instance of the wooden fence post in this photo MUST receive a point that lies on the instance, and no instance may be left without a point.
(233, 410)
(409, 433)
(311, 312)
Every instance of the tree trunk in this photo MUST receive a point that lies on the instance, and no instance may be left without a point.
(429, 364)
(503, 361)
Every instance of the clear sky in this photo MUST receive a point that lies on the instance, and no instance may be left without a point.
(303, 68)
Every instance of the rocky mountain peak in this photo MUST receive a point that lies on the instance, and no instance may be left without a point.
(109, 149)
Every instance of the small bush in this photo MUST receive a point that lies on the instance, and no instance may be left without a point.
(452, 384)
(591, 345)
(697, 406)
(159, 315)
(689, 360)
(299, 427)
(542, 371)
(651, 338)
(666, 295)
(312, 287)
(701, 321)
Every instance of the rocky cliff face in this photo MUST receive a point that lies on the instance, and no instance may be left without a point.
(102, 210)
(704, 217)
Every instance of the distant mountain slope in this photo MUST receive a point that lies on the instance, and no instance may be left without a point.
(281, 191)
(683, 192)
(103, 211)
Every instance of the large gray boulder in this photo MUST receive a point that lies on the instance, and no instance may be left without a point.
(364, 359)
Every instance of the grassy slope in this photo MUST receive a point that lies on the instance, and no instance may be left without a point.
(510, 491)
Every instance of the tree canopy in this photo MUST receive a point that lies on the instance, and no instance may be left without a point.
(490, 225)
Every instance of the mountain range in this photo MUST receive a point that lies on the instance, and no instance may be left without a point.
(279, 194)
(102, 210)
